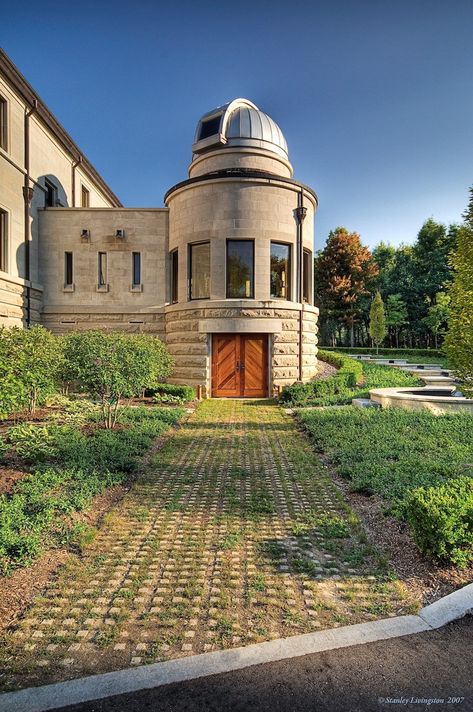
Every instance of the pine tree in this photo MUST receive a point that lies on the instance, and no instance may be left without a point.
(377, 321)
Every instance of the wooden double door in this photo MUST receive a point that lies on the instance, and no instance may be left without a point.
(240, 365)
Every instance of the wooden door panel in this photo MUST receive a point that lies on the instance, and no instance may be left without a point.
(225, 356)
(255, 365)
(240, 365)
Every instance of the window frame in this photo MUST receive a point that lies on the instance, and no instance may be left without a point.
(134, 283)
(50, 187)
(67, 254)
(101, 272)
(289, 280)
(252, 241)
(190, 247)
(84, 192)
(4, 241)
(4, 123)
(174, 276)
(307, 276)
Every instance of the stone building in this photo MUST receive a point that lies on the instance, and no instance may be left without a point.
(223, 273)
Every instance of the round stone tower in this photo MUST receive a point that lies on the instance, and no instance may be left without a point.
(241, 319)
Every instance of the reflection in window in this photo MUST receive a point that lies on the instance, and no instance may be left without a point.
(210, 127)
(307, 271)
(174, 275)
(136, 269)
(240, 269)
(68, 269)
(102, 269)
(199, 256)
(280, 270)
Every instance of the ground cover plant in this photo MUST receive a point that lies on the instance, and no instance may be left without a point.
(395, 452)
(69, 466)
(339, 390)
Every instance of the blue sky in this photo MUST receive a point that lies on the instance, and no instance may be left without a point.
(374, 96)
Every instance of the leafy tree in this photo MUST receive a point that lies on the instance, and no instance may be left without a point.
(459, 338)
(345, 273)
(437, 315)
(396, 314)
(34, 355)
(114, 365)
(377, 320)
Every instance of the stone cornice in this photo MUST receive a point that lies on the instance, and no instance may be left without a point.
(239, 174)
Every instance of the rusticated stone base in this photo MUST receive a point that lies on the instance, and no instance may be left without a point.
(189, 335)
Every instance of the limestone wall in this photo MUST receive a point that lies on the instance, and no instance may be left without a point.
(119, 304)
(237, 157)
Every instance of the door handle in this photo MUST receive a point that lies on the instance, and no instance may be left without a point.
(237, 367)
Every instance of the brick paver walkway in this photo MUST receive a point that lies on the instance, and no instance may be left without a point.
(234, 534)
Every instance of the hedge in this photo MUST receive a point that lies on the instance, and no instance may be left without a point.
(385, 352)
(170, 393)
(350, 372)
(441, 519)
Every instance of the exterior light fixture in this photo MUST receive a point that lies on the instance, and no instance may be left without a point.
(120, 233)
(85, 235)
(301, 212)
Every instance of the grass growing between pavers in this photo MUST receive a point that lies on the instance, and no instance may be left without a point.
(232, 535)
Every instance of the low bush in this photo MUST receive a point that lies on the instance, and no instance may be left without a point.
(350, 372)
(170, 393)
(33, 443)
(441, 519)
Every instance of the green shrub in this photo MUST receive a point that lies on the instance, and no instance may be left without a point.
(114, 365)
(33, 443)
(441, 519)
(170, 393)
(32, 358)
(350, 372)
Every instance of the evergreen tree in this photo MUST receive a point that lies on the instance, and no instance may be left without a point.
(459, 338)
(377, 320)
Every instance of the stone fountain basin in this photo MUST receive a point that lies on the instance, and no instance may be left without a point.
(436, 399)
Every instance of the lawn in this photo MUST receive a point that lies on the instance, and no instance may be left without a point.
(392, 451)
